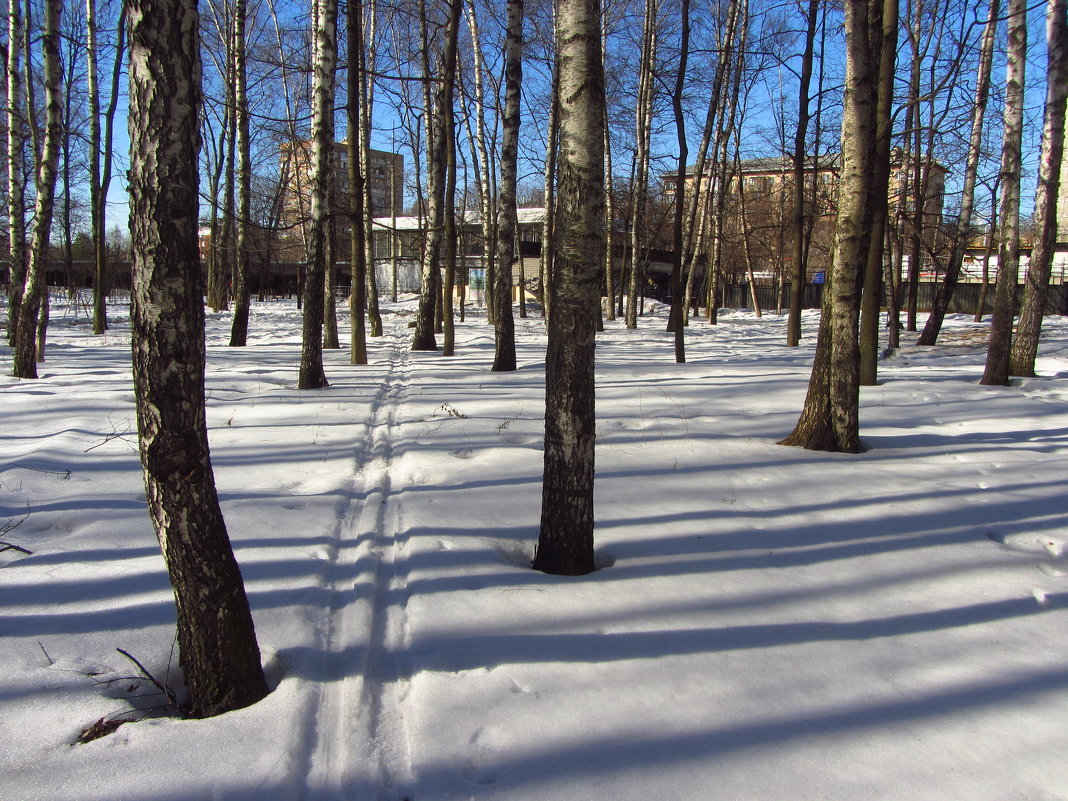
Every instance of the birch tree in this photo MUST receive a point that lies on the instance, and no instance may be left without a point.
(217, 645)
(996, 372)
(324, 31)
(675, 320)
(799, 268)
(96, 208)
(367, 56)
(26, 347)
(356, 178)
(548, 227)
(242, 297)
(643, 115)
(1025, 345)
(16, 147)
(830, 419)
(503, 323)
(877, 224)
(565, 541)
(944, 291)
(423, 338)
(483, 165)
(447, 141)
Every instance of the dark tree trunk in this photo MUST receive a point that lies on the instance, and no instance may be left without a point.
(357, 249)
(675, 318)
(504, 359)
(799, 272)
(217, 643)
(448, 142)
(242, 296)
(871, 299)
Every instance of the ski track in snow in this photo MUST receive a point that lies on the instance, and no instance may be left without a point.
(360, 744)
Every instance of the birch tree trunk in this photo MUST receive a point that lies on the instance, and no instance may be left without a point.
(429, 295)
(944, 291)
(565, 541)
(356, 178)
(34, 289)
(324, 31)
(504, 359)
(217, 645)
(242, 297)
(448, 143)
(699, 197)
(872, 297)
(367, 59)
(483, 165)
(996, 372)
(799, 273)
(830, 419)
(1025, 346)
(643, 121)
(220, 278)
(16, 147)
(724, 133)
(548, 228)
(96, 208)
(675, 318)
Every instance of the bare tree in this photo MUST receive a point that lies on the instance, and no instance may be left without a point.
(217, 645)
(368, 60)
(699, 197)
(483, 165)
(565, 542)
(26, 345)
(549, 228)
(16, 178)
(430, 291)
(1025, 345)
(799, 271)
(830, 418)
(324, 31)
(944, 291)
(996, 372)
(675, 321)
(356, 178)
(503, 322)
(643, 116)
(877, 225)
(447, 140)
(242, 297)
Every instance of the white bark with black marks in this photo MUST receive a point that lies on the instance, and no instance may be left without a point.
(217, 645)
(565, 542)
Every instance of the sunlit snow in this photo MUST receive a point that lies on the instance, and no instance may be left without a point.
(768, 623)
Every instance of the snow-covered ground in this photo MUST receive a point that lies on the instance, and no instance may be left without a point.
(768, 623)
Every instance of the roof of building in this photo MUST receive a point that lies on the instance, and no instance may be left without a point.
(526, 216)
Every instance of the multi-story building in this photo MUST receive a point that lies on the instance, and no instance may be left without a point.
(765, 179)
(759, 207)
(385, 175)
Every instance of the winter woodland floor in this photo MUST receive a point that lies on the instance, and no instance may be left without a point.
(767, 624)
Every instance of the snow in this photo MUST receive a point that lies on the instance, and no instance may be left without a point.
(768, 623)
